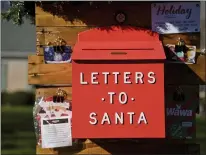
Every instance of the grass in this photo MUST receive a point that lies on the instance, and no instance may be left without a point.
(201, 135)
(18, 132)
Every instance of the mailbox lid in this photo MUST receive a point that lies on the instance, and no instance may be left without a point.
(119, 50)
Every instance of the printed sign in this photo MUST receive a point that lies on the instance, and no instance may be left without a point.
(118, 101)
(175, 17)
(56, 132)
(178, 111)
(47, 109)
(181, 114)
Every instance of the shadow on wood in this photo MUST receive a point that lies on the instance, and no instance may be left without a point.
(82, 13)
(149, 146)
(183, 74)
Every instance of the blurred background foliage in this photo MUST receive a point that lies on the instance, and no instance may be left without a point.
(18, 98)
(17, 129)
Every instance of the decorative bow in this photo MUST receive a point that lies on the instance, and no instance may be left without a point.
(60, 96)
(58, 42)
(178, 94)
(61, 93)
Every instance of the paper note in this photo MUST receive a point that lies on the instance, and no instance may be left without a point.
(56, 132)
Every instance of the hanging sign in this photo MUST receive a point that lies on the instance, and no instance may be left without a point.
(175, 17)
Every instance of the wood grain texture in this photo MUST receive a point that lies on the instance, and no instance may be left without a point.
(183, 74)
(70, 34)
(70, 151)
(41, 151)
(48, 20)
(50, 34)
(51, 91)
(126, 148)
(44, 18)
(99, 14)
(82, 147)
(34, 59)
(40, 74)
(40, 51)
(94, 150)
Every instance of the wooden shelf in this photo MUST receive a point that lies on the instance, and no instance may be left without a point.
(41, 73)
(47, 92)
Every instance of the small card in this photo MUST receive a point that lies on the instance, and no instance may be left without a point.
(56, 132)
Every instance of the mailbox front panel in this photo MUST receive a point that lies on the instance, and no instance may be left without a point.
(118, 100)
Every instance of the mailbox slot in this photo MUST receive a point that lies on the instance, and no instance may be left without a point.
(151, 50)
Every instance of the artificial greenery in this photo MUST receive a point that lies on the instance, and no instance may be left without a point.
(18, 10)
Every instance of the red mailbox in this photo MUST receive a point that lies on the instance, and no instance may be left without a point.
(118, 85)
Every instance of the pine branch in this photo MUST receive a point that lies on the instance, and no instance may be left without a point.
(18, 10)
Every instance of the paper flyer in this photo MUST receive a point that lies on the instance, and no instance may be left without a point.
(56, 132)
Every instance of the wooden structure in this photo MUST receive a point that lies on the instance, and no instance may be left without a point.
(66, 21)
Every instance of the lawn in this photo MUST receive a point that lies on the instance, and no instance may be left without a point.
(18, 132)
(201, 135)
